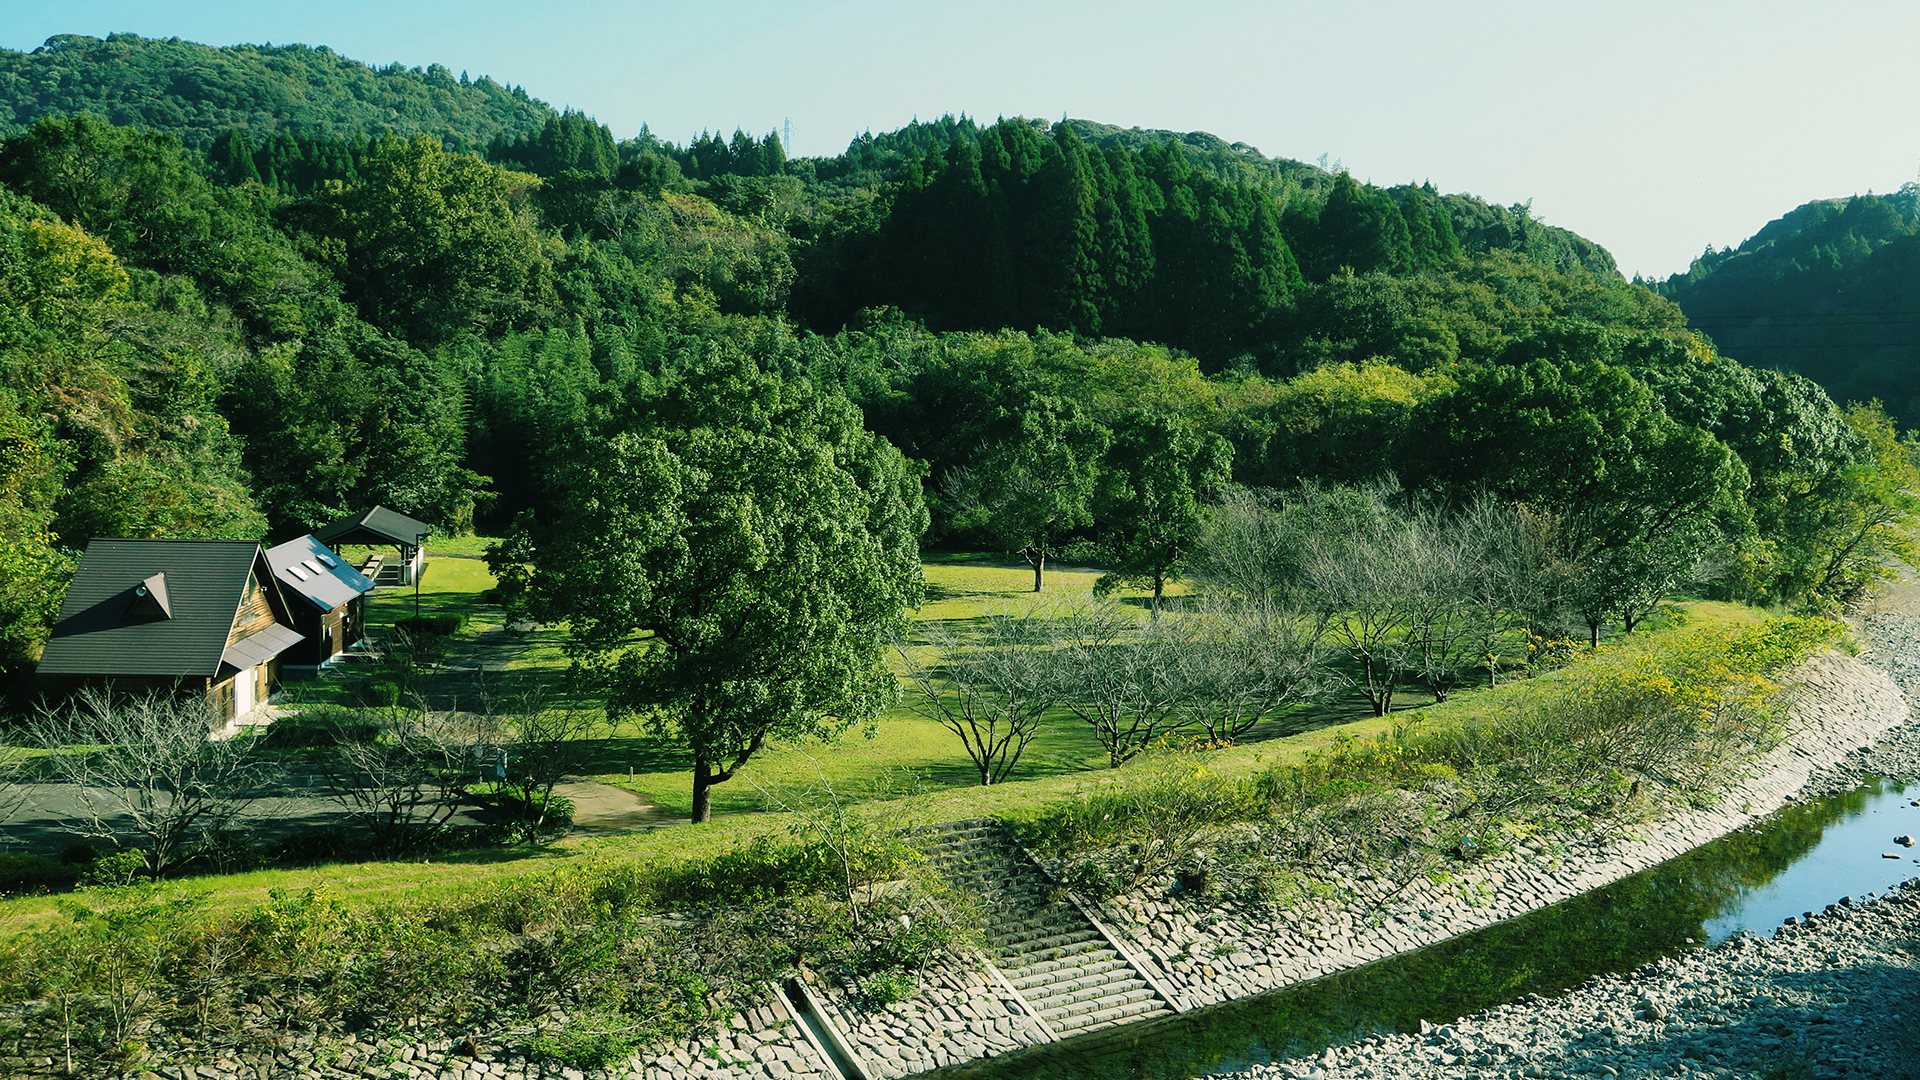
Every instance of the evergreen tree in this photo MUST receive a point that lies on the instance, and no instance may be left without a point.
(232, 158)
(1362, 229)
(1062, 265)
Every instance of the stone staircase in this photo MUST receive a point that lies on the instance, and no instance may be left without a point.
(1061, 964)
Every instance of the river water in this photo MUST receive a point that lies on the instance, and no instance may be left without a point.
(1800, 859)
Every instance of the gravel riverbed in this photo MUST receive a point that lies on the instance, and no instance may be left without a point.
(1833, 997)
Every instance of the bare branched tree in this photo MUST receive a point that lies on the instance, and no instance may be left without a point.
(1240, 664)
(1359, 569)
(1441, 572)
(408, 778)
(1250, 548)
(991, 688)
(1516, 581)
(144, 767)
(1118, 676)
(544, 744)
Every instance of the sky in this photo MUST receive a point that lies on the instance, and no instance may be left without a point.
(1656, 129)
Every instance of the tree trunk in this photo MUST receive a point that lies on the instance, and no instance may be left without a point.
(1039, 570)
(702, 789)
(1159, 586)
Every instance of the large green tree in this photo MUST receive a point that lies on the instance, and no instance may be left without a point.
(1638, 497)
(1158, 474)
(431, 245)
(1032, 486)
(736, 556)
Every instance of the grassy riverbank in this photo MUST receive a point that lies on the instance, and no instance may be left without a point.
(500, 938)
(854, 760)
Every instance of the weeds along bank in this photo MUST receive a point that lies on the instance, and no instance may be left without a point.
(574, 968)
(1222, 886)
(1397, 875)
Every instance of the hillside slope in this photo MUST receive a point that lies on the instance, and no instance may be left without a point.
(197, 91)
(1830, 290)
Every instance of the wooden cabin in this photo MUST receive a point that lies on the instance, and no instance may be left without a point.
(203, 615)
(328, 598)
(381, 527)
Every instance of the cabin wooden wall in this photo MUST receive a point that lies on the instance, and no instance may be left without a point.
(256, 612)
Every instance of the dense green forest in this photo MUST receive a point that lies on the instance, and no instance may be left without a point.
(242, 313)
(1831, 291)
(197, 92)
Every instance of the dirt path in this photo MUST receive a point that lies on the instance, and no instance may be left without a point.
(604, 808)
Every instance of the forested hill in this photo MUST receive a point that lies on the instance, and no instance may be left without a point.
(195, 92)
(1083, 335)
(1480, 225)
(876, 160)
(1830, 290)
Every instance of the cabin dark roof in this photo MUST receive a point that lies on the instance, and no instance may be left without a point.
(308, 570)
(376, 526)
(107, 627)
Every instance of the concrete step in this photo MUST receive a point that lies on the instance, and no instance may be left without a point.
(1046, 947)
(1051, 960)
(1055, 1011)
(1134, 1011)
(1070, 976)
(1101, 995)
(1058, 917)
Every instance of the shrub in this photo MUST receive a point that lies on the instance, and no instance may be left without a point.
(1121, 840)
(553, 812)
(767, 869)
(122, 868)
(306, 730)
(426, 626)
(589, 940)
(591, 1039)
(22, 872)
(1683, 713)
(383, 691)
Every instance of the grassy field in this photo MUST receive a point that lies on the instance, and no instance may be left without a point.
(902, 751)
(920, 762)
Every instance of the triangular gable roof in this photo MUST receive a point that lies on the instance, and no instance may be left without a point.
(205, 581)
(376, 526)
(307, 569)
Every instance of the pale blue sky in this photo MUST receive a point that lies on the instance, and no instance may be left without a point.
(1653, 128)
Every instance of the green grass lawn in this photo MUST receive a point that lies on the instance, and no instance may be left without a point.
(905, 750)
(911, 771)
(902, 750)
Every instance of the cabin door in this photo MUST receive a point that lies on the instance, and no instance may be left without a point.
(243, 692)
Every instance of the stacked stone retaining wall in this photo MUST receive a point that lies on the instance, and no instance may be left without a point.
(1210, 953)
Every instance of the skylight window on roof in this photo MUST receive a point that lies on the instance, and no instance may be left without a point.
(310, 565)
(326, 561)
(297, 575)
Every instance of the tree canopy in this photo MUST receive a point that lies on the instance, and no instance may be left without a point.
(1057, 337)
(737, 553)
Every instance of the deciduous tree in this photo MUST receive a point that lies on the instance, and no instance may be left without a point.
(735, 560)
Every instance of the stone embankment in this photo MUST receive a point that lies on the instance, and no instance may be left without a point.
(1834, 997)
(1214, 953)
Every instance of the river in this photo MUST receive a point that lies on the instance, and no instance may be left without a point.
(1800, 859)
